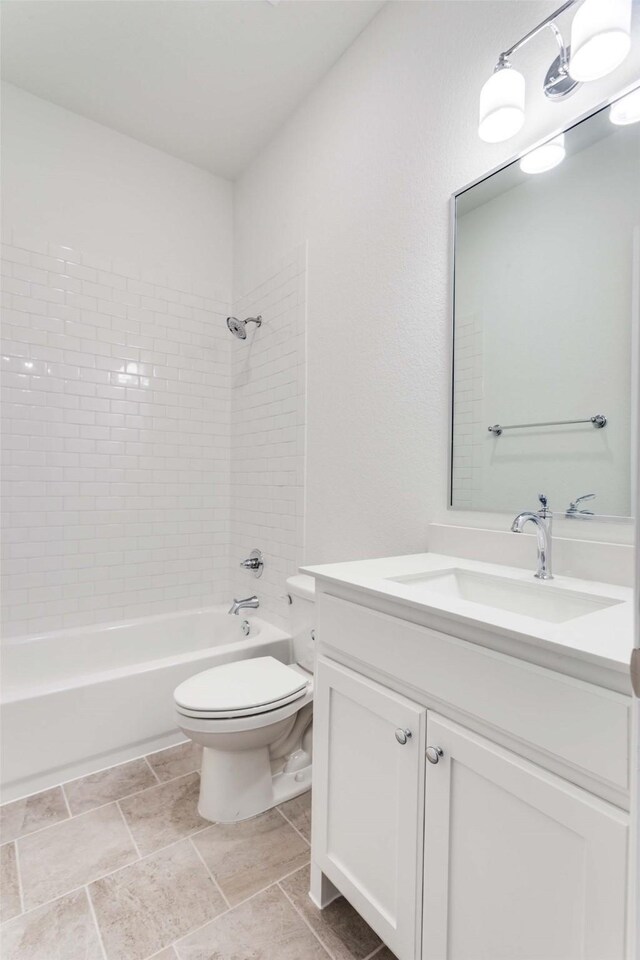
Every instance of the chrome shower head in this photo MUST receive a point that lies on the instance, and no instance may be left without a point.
(239, 327)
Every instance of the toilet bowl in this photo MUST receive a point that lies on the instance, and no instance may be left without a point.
(253, 719)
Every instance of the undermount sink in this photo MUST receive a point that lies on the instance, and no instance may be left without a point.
(538, 600)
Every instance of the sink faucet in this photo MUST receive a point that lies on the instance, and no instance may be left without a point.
(542, 521)
(251, 603)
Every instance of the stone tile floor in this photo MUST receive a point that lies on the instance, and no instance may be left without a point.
(118, 865)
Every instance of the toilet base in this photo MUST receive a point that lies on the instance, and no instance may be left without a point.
(237, 786)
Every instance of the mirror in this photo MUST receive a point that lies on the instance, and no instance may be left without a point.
(546, 304)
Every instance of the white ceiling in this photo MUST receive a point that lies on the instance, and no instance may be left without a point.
(209, 81)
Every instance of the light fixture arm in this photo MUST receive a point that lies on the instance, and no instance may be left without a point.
(548, 22)
(557, 83)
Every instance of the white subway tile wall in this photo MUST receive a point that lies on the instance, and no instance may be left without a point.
(116, 410)
(268, 434)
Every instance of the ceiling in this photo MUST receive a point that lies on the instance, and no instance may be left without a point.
(209, 81)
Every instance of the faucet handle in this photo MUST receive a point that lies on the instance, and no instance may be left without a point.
(545, 503)
(573, 508)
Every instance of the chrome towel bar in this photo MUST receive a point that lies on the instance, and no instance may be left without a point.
(599, 420)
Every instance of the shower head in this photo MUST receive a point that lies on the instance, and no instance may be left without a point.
(239, 327)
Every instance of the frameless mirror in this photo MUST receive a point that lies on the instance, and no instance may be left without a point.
(546, 304)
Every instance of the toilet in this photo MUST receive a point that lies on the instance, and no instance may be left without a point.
(254, 720)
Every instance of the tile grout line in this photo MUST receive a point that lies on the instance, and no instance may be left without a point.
(274, 883)
(146, 760)
(66, 801)
(308, 843)
(129, 830)
(63, 783)
(305, 921)
(241, 903)
(19, 879)
(95, 920)
(104, 876)
(210, 872)
(375, 953)
(141, 858)
(101, 806)
(224, 913)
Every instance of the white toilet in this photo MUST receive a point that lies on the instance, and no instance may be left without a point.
(253, 718)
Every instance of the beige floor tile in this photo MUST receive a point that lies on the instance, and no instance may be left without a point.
(62, 930)
(168, 954)
(264, 928)
(24, 816)
(10, 905)
(70, 854)
(247, 856)
(108, 785)
(343, 931)
(176, 761)
(298, 811)
(164, 813)
(146, 906)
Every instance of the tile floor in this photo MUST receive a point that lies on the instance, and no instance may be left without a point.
(119, 866)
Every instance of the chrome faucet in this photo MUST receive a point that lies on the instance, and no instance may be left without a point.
(542, 521)
(250, 603)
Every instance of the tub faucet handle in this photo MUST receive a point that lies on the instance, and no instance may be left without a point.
(254, 562)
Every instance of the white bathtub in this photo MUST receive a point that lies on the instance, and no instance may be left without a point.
(76, 701)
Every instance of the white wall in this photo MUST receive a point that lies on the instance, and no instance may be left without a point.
(364, 171)
(68, 180)
(116, 283)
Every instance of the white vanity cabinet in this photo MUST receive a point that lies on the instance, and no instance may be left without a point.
(518, 863)
(489, 832)
(367, 799)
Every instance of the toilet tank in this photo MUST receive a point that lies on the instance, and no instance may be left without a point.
(302, 618)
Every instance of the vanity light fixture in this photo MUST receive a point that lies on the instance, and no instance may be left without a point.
(545, 157)
(626, 110)
(600, 40)
(501, 103)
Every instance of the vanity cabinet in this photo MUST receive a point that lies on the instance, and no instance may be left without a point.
(518, 863)
(367, 798)
(462, 797)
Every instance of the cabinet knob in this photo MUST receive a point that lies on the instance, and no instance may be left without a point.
(402, 736)
(434, 754)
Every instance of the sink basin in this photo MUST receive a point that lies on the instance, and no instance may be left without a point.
(538, 600)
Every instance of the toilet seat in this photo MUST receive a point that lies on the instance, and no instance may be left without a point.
(244, 688)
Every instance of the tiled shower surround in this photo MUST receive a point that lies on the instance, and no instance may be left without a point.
(268, 431)
(119, 391)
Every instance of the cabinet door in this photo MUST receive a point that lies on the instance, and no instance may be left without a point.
(518, 864)
(367, 796)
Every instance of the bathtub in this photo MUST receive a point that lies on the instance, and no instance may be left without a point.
(76, 701)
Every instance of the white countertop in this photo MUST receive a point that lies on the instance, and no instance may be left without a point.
(604, 637)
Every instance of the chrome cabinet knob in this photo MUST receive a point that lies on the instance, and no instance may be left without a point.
(402, 736)
(434, 754)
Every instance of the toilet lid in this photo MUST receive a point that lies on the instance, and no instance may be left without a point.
(240, 688)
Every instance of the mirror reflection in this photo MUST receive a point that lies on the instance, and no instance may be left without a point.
(546, 303)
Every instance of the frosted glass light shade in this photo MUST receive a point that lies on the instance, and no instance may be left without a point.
(545, 157)
(501, 105)
(600, 38)
(626, 110)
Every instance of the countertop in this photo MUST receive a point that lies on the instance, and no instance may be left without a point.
(603, 637)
